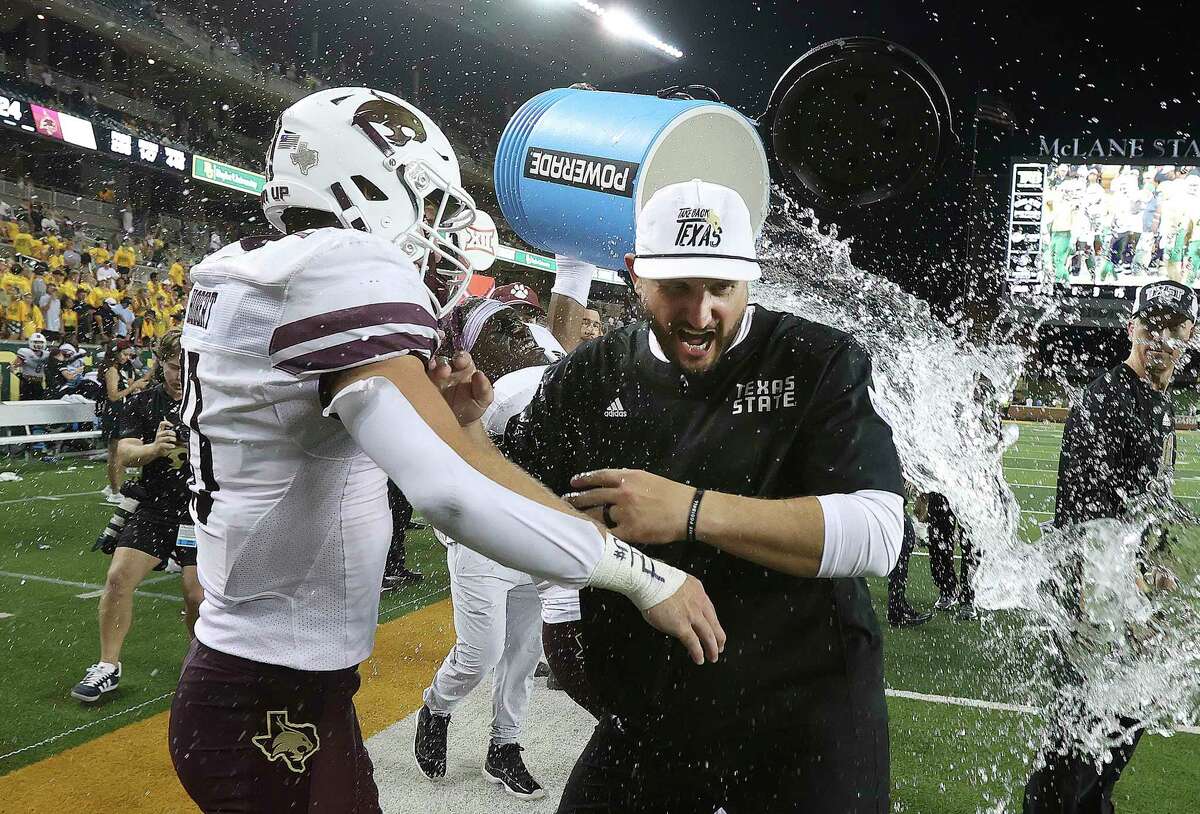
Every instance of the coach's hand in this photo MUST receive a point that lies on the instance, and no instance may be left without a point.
(465, 388)
(641, 507)
(689, 616)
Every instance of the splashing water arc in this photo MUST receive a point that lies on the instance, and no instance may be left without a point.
(940, 395)
(1131, 657)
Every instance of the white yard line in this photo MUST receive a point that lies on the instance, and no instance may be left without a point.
(5, 615)
(996, 705)
(92, 588)
(48, 497)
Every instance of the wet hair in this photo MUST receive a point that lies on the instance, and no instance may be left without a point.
(169, 347)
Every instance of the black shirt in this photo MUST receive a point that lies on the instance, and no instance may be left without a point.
(164, 480)
(1118, 443)
(786, 412)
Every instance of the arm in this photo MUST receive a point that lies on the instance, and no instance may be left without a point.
(474, 495)
(132, 452)
(568, 300)
(855, 527)
(111, 381)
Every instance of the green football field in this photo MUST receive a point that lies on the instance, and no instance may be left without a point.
(956, 744)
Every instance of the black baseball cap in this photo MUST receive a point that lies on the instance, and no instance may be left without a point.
(1165, 297)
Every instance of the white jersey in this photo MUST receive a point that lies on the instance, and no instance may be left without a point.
(292, 520)
(542, 335)
(510, 395)
(33, 362)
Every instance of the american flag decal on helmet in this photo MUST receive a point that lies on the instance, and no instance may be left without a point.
(288, 140)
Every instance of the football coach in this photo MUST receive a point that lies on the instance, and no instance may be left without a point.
(742, 443)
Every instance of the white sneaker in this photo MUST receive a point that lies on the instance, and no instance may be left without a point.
(114, 497)
(106, 491)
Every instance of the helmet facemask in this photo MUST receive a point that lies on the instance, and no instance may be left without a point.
(441, 208)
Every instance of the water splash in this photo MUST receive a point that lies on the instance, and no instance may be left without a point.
(1130, 654)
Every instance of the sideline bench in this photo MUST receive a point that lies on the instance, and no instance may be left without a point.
(35, 413)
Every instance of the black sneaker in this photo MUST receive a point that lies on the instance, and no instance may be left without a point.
(542, 670)
(552, 682)
(401, 579)
(100, 678)
(430, 746)
(908, 616)
(504, 767)
(945, 603)
(967, 611)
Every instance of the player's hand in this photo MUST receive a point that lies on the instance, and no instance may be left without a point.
(643, 508)
(164, 439)
(689, 616)
(465, 388)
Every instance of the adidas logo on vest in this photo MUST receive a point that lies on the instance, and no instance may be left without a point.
(616, 409)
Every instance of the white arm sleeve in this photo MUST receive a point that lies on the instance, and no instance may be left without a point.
(863, 533)
(481, 514)
(573, 278)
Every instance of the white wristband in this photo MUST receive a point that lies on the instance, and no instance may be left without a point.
(573, 279)
(624, 569)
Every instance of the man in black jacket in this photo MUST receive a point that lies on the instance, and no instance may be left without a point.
(1118, 445)
(741, 443)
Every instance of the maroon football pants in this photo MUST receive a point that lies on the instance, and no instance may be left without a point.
(252, 738)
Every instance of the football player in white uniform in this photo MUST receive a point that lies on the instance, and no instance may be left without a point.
(309, 380)
(498, 611)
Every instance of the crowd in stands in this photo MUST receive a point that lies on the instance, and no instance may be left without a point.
(65, 287)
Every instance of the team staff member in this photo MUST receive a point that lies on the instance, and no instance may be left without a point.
(152, 533)
(1118, 444)
(742, 443)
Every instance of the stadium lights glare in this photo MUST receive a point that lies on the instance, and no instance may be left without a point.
(621, 23)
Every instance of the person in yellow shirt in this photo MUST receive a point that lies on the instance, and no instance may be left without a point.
(55, 262)
(70, 319)
(70, 285)
(34, 322)
(124, 258)
(15, 313)
(175, 274)
(149, 327)
(99, 254)
(23, 244)
(97, 295)
(11, 278)
(11, 230)
(39, 249)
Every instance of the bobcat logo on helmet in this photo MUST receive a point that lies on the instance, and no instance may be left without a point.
(292, 743)
(520, 292)
(396, 123)
(305, 157)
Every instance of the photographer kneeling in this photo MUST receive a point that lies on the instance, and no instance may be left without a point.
(151, 522)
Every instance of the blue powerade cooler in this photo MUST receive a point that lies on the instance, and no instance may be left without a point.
(574, 167)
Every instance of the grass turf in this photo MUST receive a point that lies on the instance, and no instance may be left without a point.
(945, 759)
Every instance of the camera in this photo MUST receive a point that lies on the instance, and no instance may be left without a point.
(132, 496)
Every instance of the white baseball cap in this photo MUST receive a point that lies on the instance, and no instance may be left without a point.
(695, 229)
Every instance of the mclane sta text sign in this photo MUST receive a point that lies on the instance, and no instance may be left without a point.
(1138, 149)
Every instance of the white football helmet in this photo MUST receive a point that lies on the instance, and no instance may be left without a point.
(37, 343)
(378, 165)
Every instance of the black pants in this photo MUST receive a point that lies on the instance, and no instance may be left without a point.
(898, 579)
(944, 532)
(824, 772)
(402, 512)
(1070, 783)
